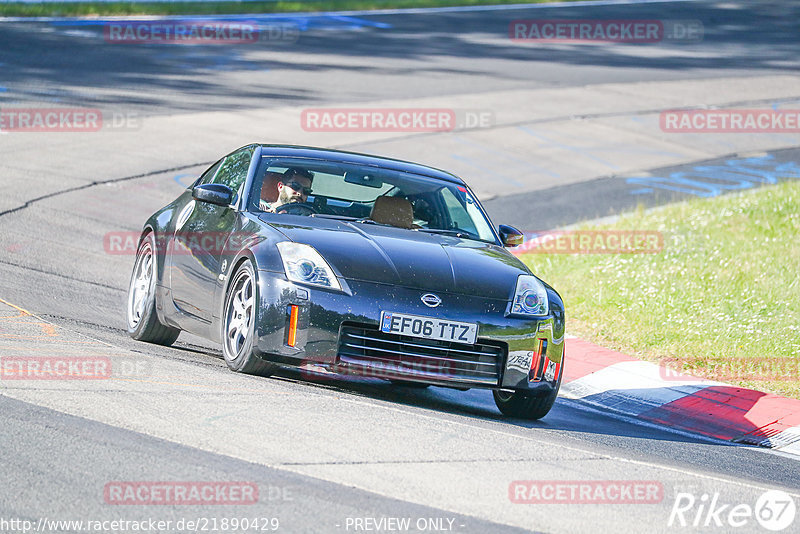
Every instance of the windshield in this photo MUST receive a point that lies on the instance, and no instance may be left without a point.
(369, 195)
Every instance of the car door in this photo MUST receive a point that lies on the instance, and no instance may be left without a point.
(201, 232)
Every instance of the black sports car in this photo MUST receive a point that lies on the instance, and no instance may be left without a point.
(349, 264)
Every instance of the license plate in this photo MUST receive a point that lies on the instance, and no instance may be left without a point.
(550, 372)
(428, 327)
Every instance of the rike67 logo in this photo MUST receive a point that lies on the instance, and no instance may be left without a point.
(774, 510)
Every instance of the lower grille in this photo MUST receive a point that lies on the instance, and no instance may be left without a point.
(367, 351)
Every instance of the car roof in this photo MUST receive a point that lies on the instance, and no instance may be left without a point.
(354, 157)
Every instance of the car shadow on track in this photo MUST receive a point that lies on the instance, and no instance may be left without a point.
(567, 414)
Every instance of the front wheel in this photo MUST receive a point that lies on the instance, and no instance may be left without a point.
(239, 321)
(527, 405)
(143, 323)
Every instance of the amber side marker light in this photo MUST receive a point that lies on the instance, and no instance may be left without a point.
(537, 363)
(291, 340)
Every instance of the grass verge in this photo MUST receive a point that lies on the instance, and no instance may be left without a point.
(75, 9)
(721, 300)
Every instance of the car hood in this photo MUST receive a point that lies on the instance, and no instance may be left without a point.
(418, 260)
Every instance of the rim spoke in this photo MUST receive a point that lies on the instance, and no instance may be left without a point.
(247, 287)
(240, 338)
(138, 305)
(233, 340)
(237, 305)
(233, 326)
(147, 266)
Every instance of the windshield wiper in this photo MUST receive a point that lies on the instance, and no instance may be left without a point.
(334, 216)
(370, 221)
(360, 220)
(451, 231)
(347, 218)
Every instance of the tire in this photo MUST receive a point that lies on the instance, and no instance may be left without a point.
(141, 315)
(527, 405)
(238, 324)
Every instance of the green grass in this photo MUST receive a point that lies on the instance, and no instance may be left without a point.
(721, 300)
(219, 8)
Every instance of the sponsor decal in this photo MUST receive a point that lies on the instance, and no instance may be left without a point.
(520, 360)
(551, 372)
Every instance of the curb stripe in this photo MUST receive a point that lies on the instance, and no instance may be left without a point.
(587, 358)
(633, 387)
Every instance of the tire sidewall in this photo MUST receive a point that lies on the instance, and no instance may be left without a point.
(149, 306)
(238, 363)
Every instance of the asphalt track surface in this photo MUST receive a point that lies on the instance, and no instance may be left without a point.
(323, 452)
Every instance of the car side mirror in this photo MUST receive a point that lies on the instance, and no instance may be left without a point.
(218, 194)
(510, 236)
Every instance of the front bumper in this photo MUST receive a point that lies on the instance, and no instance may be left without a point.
(339, 331)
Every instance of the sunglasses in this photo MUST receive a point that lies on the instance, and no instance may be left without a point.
(299, 188)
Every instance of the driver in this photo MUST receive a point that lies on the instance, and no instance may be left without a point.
(293, 186)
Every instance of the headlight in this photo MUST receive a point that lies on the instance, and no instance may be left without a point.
(530, 297)
(305, 265)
